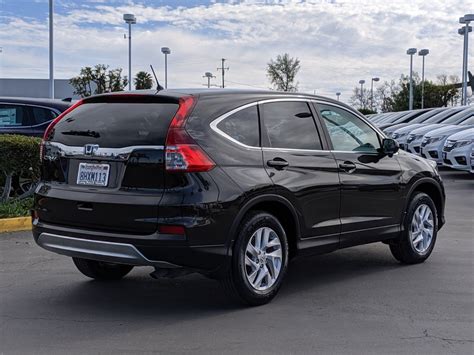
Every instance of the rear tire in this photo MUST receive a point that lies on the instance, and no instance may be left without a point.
(421, 228)
(259, 260)
(99, 270)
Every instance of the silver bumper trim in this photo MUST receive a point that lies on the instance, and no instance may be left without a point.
(120, 253)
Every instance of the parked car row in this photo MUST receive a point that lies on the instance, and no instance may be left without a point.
(444, 135)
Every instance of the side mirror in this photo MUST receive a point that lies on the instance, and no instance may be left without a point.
(389, 146)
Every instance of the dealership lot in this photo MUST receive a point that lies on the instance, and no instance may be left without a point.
(356, 300)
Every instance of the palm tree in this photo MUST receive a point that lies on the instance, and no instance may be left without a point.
(143, 80)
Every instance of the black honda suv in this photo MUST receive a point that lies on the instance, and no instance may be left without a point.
(231, 184)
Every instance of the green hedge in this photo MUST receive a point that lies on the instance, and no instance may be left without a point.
(16, 208)
(19, 155)
(19, 167)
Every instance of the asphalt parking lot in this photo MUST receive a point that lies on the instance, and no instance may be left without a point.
(356, 300)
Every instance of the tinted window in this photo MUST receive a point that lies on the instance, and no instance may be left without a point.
(242, 126)
(115, 124)
(347, 131)
(41, 115)
(13, 116)
(290, 125)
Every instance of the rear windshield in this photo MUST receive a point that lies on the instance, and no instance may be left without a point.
(115, 125)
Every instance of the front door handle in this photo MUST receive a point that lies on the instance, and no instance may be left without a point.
(278, 163)
(347, 166)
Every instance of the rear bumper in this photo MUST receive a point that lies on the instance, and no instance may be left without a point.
(121, 253)
(139, 250)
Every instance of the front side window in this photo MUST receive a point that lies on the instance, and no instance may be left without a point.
(12, 116)
(290, 125)
(347, 131)
(242, 126)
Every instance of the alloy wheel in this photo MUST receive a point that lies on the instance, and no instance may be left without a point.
(422, 228)
(263, 258)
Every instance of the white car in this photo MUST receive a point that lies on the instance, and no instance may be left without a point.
(433, 141)
(458, 149)
(472, 159)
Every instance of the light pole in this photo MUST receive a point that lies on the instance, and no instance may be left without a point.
(423, 53)
(209, 76)
(131, 20)
(338, 94)
(372, 92)
(410, 52)
(166, 51)
(51, 58)
(362, 82)
(465, 20)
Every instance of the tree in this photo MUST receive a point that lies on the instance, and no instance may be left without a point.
(282, 72)
(392, 96)
(143, 80)
(98, 80)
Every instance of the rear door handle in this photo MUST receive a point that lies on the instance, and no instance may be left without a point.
(347, 166)
(278, 163)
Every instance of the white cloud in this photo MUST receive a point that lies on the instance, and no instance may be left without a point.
(338, 42)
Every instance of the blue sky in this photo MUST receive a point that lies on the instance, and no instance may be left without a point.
(338, 42)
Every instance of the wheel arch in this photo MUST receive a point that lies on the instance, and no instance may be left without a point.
(278, 206)
(433, 189)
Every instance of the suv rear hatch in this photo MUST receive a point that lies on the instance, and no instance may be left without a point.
(103, 164)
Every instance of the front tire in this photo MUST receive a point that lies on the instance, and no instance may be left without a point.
(259, 260)
(421, 228)
(99, 270)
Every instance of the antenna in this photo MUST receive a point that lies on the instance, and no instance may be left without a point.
(158, 86)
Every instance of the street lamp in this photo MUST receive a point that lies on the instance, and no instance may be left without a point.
(131, 20)
(423, 53)
(361, 82)
(51, 57)
(410, 52)
(372, 92)
(166, 51)
(209, 76)
(338, 94)
(466, 19)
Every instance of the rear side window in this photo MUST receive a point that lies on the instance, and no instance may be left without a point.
(114, 125)
(13, 116)
(41, 115)
(242, 126)
(290, 125)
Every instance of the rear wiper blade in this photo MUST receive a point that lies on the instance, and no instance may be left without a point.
(87, 133)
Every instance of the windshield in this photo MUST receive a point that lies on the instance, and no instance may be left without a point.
(440, 117)
(427, 115)
(459, 117)
(469, 121)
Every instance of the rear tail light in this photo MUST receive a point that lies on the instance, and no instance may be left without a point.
(49, 129)
(182, 154)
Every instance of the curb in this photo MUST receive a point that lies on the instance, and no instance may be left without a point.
(15, 224)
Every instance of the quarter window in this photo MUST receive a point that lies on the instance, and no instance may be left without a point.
(41, 115)
(290, 125)
(13, 116)
(242, 126)
(347, 131)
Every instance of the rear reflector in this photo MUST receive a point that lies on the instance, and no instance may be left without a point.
(169, 229)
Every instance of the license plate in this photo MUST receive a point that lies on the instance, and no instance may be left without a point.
(93, 174)
(444, 155)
